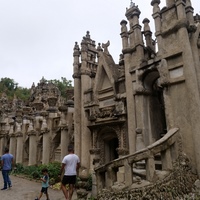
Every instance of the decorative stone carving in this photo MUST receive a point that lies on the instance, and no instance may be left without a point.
(164, 74)
(139, 88)
(105, 47)
(139, 139)
(95, 151)
(52, 101)
(106, 112)
(119, 108)
(38, 106)
(122, 151)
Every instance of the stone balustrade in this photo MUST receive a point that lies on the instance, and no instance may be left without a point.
(107, 174)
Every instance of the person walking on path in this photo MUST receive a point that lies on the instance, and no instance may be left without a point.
(45, 184)
(70, 166)
(7, 162)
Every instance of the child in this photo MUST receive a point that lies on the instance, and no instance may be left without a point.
(45, 184)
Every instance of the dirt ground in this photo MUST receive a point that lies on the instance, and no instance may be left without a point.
(23, 189)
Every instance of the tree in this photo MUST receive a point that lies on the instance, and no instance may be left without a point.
(62, 85)
(10, 88)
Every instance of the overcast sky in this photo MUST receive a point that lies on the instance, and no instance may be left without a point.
(37, 36)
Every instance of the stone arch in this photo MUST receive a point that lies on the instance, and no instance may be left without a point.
(26, 151)
(39, 149)
(108, 143)
(155, 105)
(55, 147)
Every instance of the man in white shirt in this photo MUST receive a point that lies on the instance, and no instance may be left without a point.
(70, 163)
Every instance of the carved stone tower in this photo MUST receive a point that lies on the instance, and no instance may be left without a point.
(84, 75)
(145, 107)
(178, 51)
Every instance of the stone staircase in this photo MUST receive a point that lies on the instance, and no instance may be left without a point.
(156, 167)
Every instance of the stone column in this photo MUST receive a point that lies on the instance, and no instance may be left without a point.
(1, 144)
(64, 140)
(77, 100)
(124, 34)
(32, 145)
(148, 34)
(85, 85)
(132, 14)
(4, 133)
(47, 137)
(131, 125)
(46, 143)
(180, 4)
(12, 144)
(157, 22)
(19, 151)
(189, 12)
(46, 148)
(138, 38)
(19, 136)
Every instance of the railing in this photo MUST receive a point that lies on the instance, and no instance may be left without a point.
(107, 174)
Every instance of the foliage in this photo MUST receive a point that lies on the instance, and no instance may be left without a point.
(22, 93)
(34, 172)
(89, 183)
(10, 88)
(62, 85)
(7, 84)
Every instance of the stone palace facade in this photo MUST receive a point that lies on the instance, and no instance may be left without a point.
(129, 121)
(134, 119)
(39, 130)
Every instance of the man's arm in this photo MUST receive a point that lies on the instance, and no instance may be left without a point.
(62, 171)
(78, 166)
(2, 163)
(13, 163)
(62, 168)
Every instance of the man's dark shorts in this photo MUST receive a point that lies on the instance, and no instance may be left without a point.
(69, 180)
(44, 190)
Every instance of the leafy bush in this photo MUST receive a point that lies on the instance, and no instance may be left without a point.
(89, 183)
(35, 172)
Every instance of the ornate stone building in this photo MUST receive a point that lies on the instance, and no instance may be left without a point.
(132, 122)
(137, 117)
(39, 130)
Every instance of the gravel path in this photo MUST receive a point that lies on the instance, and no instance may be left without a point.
(23, 189)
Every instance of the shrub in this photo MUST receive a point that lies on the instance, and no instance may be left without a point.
(35, 172)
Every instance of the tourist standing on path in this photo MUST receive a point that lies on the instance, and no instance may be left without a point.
(45, 184)
(7, 162)
(70, 165)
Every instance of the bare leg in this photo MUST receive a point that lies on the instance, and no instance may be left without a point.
(71, 190)
(40, 195)
(47, 195)
(65, 191)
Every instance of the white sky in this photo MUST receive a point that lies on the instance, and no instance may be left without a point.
(37, 36)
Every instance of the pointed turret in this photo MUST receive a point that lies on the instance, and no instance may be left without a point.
(124, 34)
(157, 20)
(189, 12)
(132, 15)
(76, 63)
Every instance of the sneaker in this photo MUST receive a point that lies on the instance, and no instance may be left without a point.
(4, 189)
(10, 186)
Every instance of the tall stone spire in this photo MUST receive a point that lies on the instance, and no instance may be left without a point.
(132, 15)
(76, 55)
